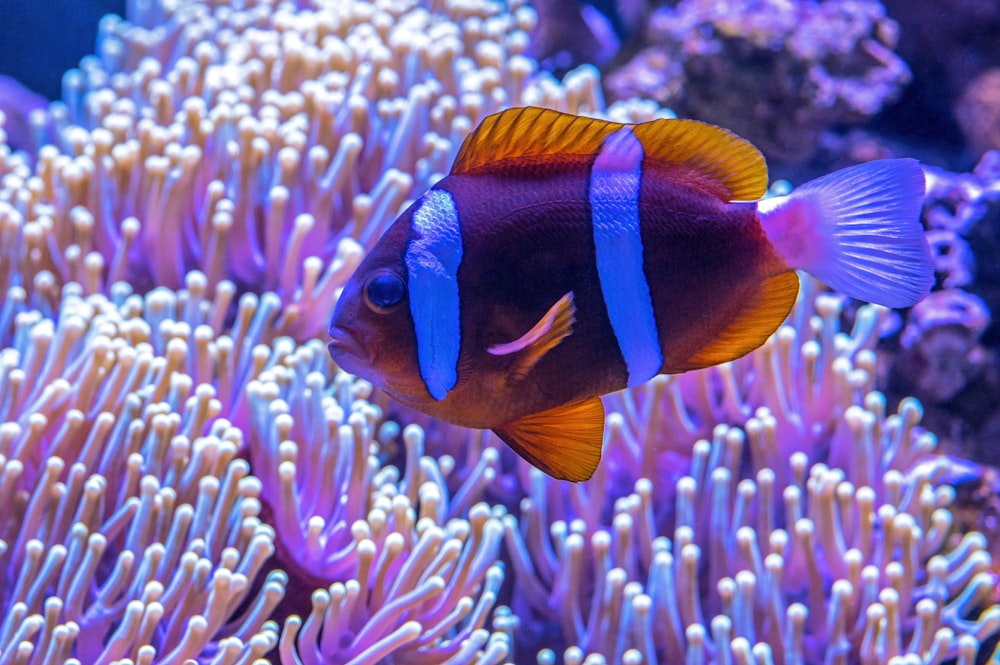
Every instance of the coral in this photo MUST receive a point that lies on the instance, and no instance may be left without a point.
(941, 350)
(948, 348)
(807, 65)
(956, 202)
(978, 112)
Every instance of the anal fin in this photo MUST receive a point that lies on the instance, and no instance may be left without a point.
(564, 442)
(554, 326)
(759, 318)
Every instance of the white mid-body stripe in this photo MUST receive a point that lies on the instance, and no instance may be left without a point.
(432, 261)
(614, 201)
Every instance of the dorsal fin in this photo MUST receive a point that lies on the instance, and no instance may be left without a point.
(759, 317)
(712, 151)
(530, 132)
(715, 153)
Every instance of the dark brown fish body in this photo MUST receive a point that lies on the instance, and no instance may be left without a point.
(565, 258)
(704, 260)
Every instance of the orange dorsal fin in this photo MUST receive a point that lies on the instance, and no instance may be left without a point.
(530, 132)
(554, 326)
(564, 442)
(760, 317)
(713, 152)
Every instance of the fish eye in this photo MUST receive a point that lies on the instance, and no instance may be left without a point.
(384, 291)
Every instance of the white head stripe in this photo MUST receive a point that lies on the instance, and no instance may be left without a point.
(432, 261)
(614, 202)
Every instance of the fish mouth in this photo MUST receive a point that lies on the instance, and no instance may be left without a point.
(348, 350)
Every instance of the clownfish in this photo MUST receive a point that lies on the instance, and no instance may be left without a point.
(565, 257)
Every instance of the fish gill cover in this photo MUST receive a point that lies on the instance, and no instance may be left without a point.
(186, 477)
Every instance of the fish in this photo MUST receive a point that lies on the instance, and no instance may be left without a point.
(566, 257)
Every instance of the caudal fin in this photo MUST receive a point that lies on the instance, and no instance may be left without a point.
(858, 230)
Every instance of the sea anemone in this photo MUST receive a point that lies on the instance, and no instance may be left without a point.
(134, 526)
(818, 528)
(261, 145)
(130, 527)
(416, 572)
(186, 476)
(193, 141)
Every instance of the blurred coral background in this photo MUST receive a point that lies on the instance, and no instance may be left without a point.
(186, 477)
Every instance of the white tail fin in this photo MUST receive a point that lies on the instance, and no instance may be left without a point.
(858, 230)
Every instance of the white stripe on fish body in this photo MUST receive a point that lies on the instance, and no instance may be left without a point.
(614, 200)
(432, 261)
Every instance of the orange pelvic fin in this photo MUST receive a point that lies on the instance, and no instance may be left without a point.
(554, 326)
(564, 442)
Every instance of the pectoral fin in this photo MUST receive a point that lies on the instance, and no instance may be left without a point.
(564, 442)
(555, 325)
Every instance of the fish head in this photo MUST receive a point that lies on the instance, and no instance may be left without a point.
(371, 333)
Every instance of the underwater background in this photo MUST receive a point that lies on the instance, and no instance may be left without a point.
(185, 476)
